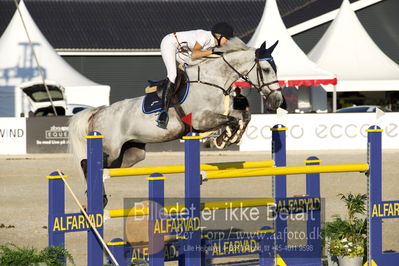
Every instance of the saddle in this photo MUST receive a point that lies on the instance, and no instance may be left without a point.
(153, 99)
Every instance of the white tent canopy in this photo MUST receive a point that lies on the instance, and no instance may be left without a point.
(294, 67)
(18, 65)
(347, 50)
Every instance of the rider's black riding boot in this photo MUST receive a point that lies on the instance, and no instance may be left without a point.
(163, 117)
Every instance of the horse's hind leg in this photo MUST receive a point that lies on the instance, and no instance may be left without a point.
(83, 164)
(134, 153)
(130, 154)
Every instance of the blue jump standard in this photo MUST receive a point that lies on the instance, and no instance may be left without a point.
(61, 222)
(268, 248)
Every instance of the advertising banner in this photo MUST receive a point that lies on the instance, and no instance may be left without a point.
(340, 131)
(47, 134)
(12, 135)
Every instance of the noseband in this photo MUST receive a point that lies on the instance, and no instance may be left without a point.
(259, 76)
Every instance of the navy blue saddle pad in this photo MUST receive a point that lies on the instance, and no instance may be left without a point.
(152, 103)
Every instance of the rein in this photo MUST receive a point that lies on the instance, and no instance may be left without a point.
(225, 92)
(259, 76)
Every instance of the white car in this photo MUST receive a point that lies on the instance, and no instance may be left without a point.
(37, 102)
(362, 109)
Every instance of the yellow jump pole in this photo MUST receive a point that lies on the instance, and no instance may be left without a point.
(116, 172)
(288, 170)
(179, 208)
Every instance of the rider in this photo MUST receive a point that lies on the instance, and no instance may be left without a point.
(182, 46)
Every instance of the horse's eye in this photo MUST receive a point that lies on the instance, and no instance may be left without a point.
(267, 70)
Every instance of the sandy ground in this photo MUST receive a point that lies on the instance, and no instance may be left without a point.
(23, 191)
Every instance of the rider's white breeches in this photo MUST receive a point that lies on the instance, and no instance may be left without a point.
(168, 51)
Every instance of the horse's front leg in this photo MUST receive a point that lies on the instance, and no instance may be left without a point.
(208, 121)
(212, 121)
(244, 119)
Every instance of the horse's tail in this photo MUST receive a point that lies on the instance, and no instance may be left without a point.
(78, 130)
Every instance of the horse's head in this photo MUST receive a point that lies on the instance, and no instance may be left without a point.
(264, 79)
(260, 73)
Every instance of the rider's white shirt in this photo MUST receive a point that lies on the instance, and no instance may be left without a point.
(203, 37)
(171, 50)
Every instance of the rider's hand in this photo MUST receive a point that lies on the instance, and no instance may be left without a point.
(217, 51)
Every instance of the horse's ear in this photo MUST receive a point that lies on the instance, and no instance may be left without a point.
(271, 48)
(263, 46)
(261, 52)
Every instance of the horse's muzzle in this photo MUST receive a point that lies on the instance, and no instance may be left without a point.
(274, 100)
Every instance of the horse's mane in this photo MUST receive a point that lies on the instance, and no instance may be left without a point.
(233, 45)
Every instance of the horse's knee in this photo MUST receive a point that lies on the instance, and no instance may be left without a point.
(232, 121)
(246, 117)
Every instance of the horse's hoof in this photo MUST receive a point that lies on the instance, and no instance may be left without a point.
(228, 132)
(234, 139)
(241, 124)
(237, 137)
(220, 144)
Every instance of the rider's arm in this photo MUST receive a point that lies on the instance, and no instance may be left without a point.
(197, 51)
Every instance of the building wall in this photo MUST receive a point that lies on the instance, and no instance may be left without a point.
(127, 75)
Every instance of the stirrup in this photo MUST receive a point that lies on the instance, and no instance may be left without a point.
(163, 119)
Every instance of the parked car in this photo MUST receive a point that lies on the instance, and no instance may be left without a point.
(76, 108)
(362, 109)
(37, 101)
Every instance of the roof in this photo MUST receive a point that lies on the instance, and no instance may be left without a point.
(294, 67)
(141, 24)
(347, 50)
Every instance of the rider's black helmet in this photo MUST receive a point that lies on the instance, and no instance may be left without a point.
(224, 29)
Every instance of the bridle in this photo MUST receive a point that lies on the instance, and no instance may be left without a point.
(259, 75)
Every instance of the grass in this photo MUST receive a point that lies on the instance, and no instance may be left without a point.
(11, 255)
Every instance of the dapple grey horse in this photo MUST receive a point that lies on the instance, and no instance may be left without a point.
(127, 129)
